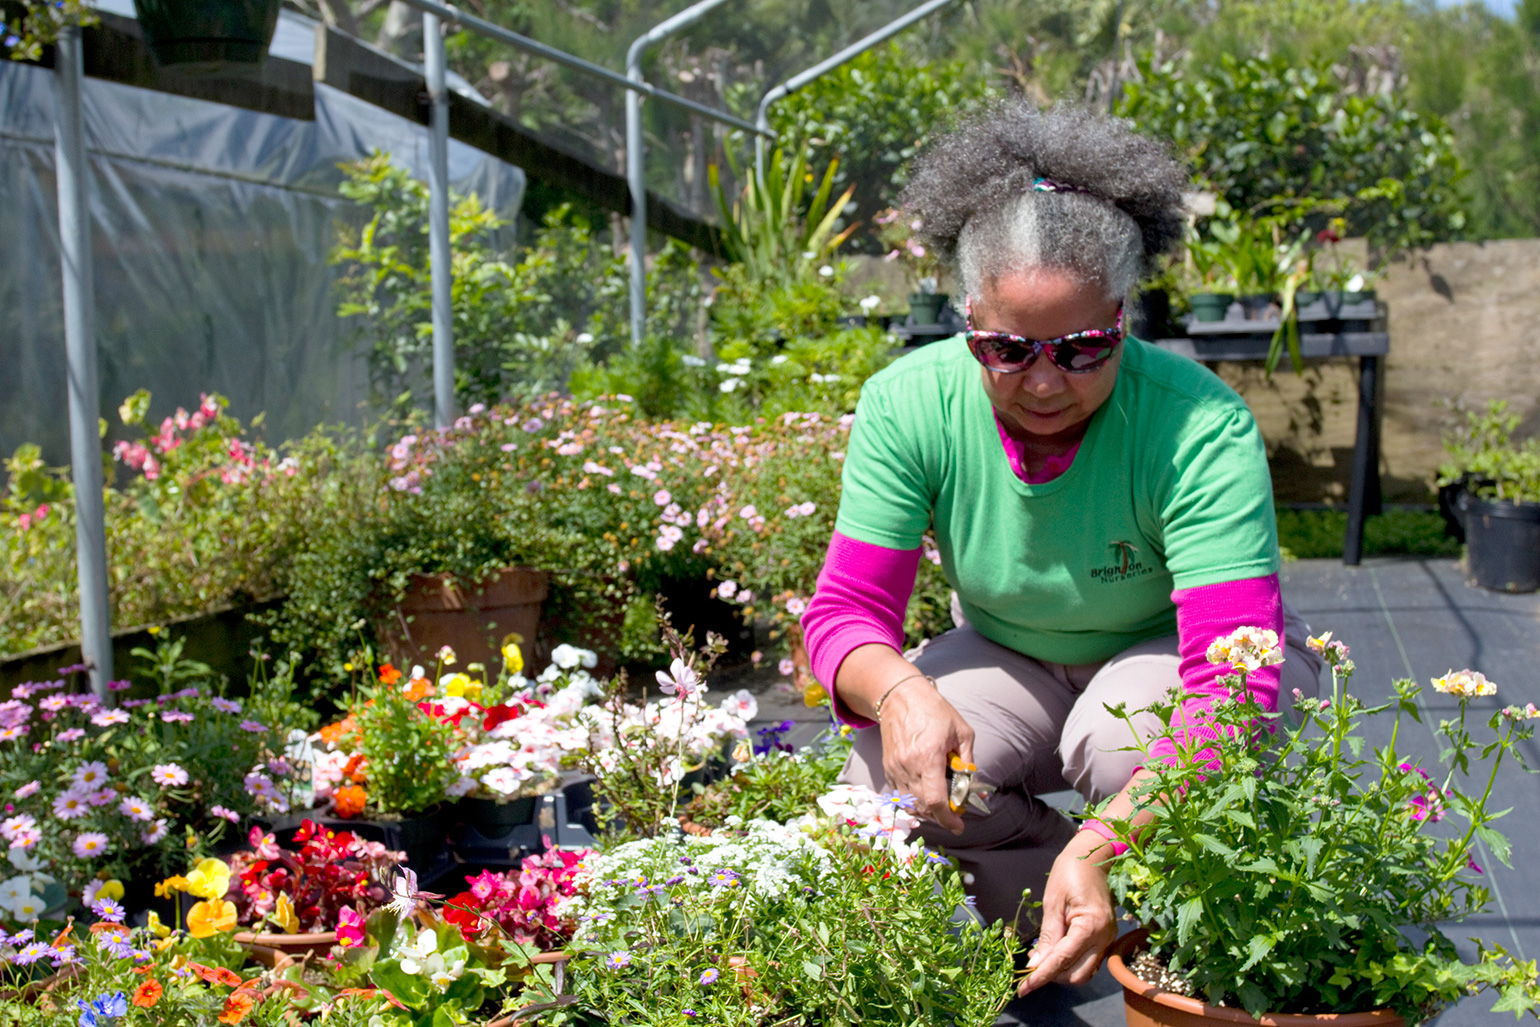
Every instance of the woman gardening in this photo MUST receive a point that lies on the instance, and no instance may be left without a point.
(1102, 508)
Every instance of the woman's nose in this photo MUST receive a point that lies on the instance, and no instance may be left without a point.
(1042, 378)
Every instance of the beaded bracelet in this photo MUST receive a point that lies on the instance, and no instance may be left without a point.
(877, 707)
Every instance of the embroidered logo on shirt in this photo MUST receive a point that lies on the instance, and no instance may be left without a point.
(1125, 564)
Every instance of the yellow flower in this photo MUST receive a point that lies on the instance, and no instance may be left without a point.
(513, 656)
(454, 685)
(348, 667)
(284, 916)
(210, 880)
(1464, 683)
(174, 883)
(157, 928)
(112, 888)
(814, 695)
(153, 629)
(211, 917)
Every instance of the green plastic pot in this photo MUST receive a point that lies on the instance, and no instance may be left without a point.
(1211, 306)
(208, 32)
(925, 307)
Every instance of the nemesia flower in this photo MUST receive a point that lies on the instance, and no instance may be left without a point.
(1246, 649)
(1466, 684)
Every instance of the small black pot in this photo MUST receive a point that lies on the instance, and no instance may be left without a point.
(420, 836)
(208, 32)
(1255, 306)
(1502, 541)
(492, 818)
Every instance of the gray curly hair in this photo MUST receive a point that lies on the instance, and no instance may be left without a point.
(1067, 188)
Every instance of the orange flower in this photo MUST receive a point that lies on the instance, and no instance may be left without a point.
(418, 689)
(331, 734)
(349, 801)
(354, 769)
(210, 917)
(147, 994)
(238, 1005)
(216, 975)
(388, 674)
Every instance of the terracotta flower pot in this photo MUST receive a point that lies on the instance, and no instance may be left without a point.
(1145, 1005)
(282, 949)
(470, 619)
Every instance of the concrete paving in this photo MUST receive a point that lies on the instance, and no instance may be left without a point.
(1403, 618)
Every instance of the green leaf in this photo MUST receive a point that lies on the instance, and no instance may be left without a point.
(1187, 917)
(812, 970)
(1498, 844)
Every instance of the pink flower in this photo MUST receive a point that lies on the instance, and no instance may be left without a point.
(350, 927)
(109, 717)
(225, 813)
(176, 716)
(12, 827)
(252, 726)
(169, 775)
(225, 705)
(786, 667)
(680, 679)
(156, 833)
(662, 497)
(90, 844)
(796, 607)
(71, 805)
(89, 774)
(135, 808)
(71, 735)
(30, 788)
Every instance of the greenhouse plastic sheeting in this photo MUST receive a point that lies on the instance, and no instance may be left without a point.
(211, 230)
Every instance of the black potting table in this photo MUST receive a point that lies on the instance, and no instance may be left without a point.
(1327, 329)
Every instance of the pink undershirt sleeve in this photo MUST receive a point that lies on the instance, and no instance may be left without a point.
(1202, 615)
(863, 592)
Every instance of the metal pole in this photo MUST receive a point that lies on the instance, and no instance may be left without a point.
(636, 157)
(74, 176)
(439, 259)
(791, 85)
(455, 16)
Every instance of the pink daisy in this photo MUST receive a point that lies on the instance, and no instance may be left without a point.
(90, 844)
(169, 775)
(89, 775)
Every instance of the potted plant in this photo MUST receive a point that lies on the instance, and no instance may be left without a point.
(920, 265)
(1289, 869)
(1495, 486)
(208, 32)
(309, 897)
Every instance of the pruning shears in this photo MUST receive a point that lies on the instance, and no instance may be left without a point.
(963, 787)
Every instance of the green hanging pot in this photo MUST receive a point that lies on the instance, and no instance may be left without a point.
(208, 32)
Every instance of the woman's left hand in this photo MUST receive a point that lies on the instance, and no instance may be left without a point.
(1078, 921)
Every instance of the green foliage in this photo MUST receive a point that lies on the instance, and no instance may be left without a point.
(779, 785)
(521, 320)
(869, 117)
(31, 25)
(1262, 132)
(1483, 455)
(1318, 534)
(768, 230)
(860, 936)
(1300, 877)
(408, 754)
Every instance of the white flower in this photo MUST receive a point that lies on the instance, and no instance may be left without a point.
(690, 360)
(443, 976)
(870, 304)
(1356, 283)
(584, 338)
(566, 656)
(826, 271)
(415, 955)
(1246, 649)
(727, 589)
(730, 384)
(24, 861)
(19, 887)
(503, 780)
(27, 909)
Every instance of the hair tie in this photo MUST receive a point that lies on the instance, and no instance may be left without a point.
(1048, 185)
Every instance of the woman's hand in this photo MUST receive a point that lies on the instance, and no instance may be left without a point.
(920, 732)
(1078, 922)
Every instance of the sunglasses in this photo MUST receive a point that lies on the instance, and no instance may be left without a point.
(1077, 353)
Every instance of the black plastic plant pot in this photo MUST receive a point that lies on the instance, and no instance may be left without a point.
(1256, 306)
(1502, 541)
(492, 818)
(208, 33)
(1211, 306)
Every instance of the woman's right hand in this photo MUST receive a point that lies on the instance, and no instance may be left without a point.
(920, 732)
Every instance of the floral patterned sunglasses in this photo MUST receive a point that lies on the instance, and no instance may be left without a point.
(1077, 353)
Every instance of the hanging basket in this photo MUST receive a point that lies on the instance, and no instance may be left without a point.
(208, 33)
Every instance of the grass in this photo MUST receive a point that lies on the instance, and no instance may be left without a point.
(1312, 534)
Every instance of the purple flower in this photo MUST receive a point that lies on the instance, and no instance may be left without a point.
(899, 800)
(31, 954)
(176, 716)
(618, 961)
(107, 909)
(253, 727)
(225, 705)
(135, 808)
(723, 878)
(118, 686)
(73, 734)
(89, 844)
(710, 975)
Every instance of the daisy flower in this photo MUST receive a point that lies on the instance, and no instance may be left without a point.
(90, 844)
(71, 805)
(30, 788)
(89, 775)
(109, 717)
(135, 808)
(225, 705)
(154, 835)
(168, 775)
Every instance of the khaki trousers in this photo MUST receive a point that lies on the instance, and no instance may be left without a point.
(1039, 728)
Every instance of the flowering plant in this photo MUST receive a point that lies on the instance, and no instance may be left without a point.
(331, 882)
(1290, 870)
(92, 789)
(900, 236)
(669, 928)
(519, 904)
(642, 753)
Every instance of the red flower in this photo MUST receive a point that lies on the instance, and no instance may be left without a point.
(502, 713)
(147, 994)
(464, 912)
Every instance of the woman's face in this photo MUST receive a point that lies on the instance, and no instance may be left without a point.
(1045, 400)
